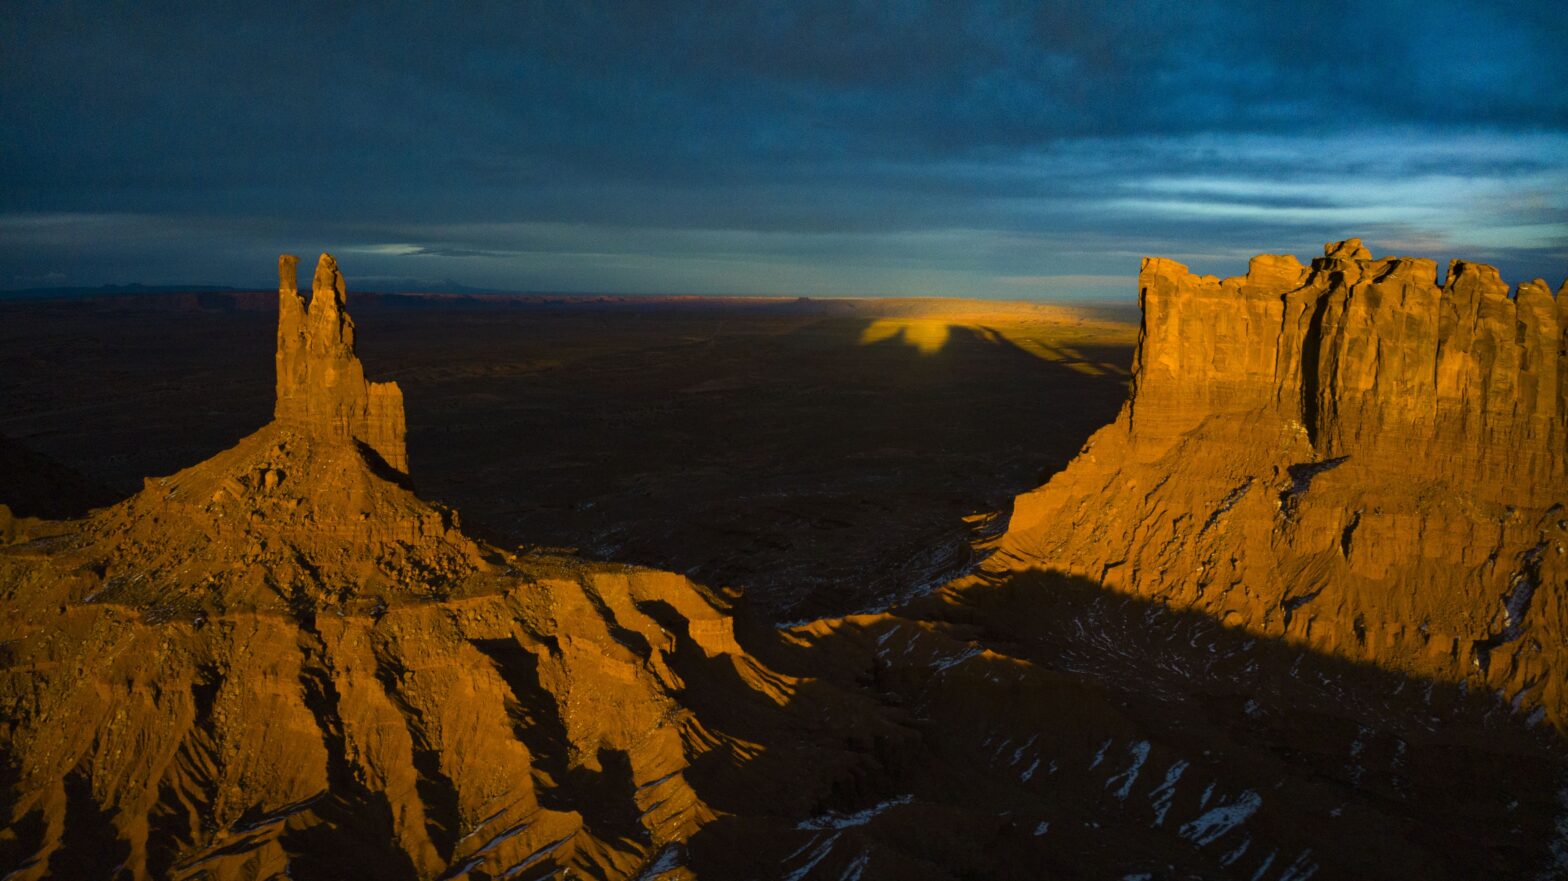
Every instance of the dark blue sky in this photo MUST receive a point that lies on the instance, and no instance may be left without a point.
(1003, 150)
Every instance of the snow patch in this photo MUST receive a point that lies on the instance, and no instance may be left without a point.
(813, 858)
(1220, 820)
(833, 820)
(1165, 793)
(1263, 869)
(1018, 753)
(668, 859)
(1139, 752)
(945, 663)
(535, 857)
(1100, 756)
(856, 867)
(1302, 869)
(1236, 854)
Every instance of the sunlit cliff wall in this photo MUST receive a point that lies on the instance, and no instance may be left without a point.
(321, 384)
(1344, 453)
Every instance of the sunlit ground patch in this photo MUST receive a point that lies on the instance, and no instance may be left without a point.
(927, 335)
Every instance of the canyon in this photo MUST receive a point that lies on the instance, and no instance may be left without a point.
(1298, 611)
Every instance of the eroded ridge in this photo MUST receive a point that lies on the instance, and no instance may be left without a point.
(1344, 453)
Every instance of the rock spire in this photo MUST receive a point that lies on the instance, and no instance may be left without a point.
(322, 390)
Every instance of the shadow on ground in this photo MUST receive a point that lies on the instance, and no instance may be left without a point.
(1043, 727)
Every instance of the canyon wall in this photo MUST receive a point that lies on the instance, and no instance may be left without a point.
(1345, 454)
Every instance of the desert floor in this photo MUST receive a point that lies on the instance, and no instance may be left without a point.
(824, 456)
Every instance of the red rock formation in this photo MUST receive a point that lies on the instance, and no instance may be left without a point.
(321, 384)
(1345, 454)
(281, 662)
(312, 507)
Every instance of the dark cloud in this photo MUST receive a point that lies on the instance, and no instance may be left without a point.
(819, 147)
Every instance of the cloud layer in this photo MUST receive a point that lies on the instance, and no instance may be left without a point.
(990, 149)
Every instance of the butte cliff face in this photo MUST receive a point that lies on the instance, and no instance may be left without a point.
(1347, 455)
(1370, 358)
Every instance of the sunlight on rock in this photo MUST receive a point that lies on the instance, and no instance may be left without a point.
(927, 335)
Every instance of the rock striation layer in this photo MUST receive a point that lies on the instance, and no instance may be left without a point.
(1346, 454)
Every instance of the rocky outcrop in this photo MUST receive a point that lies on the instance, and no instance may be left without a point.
(1366, 356)
(1345, 454)
(314, 507)
(321, 384)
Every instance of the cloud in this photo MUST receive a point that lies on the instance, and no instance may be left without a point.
(837, 146)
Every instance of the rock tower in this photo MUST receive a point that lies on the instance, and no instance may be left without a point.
(321, 385)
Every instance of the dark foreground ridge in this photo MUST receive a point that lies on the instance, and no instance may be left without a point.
(282, 663)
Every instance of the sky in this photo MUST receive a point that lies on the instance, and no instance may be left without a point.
(1008, 150)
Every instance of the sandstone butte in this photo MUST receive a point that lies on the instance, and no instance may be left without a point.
(1298, 613)
(1345, 455)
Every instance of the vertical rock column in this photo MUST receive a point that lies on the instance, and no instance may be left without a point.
(321, 386)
